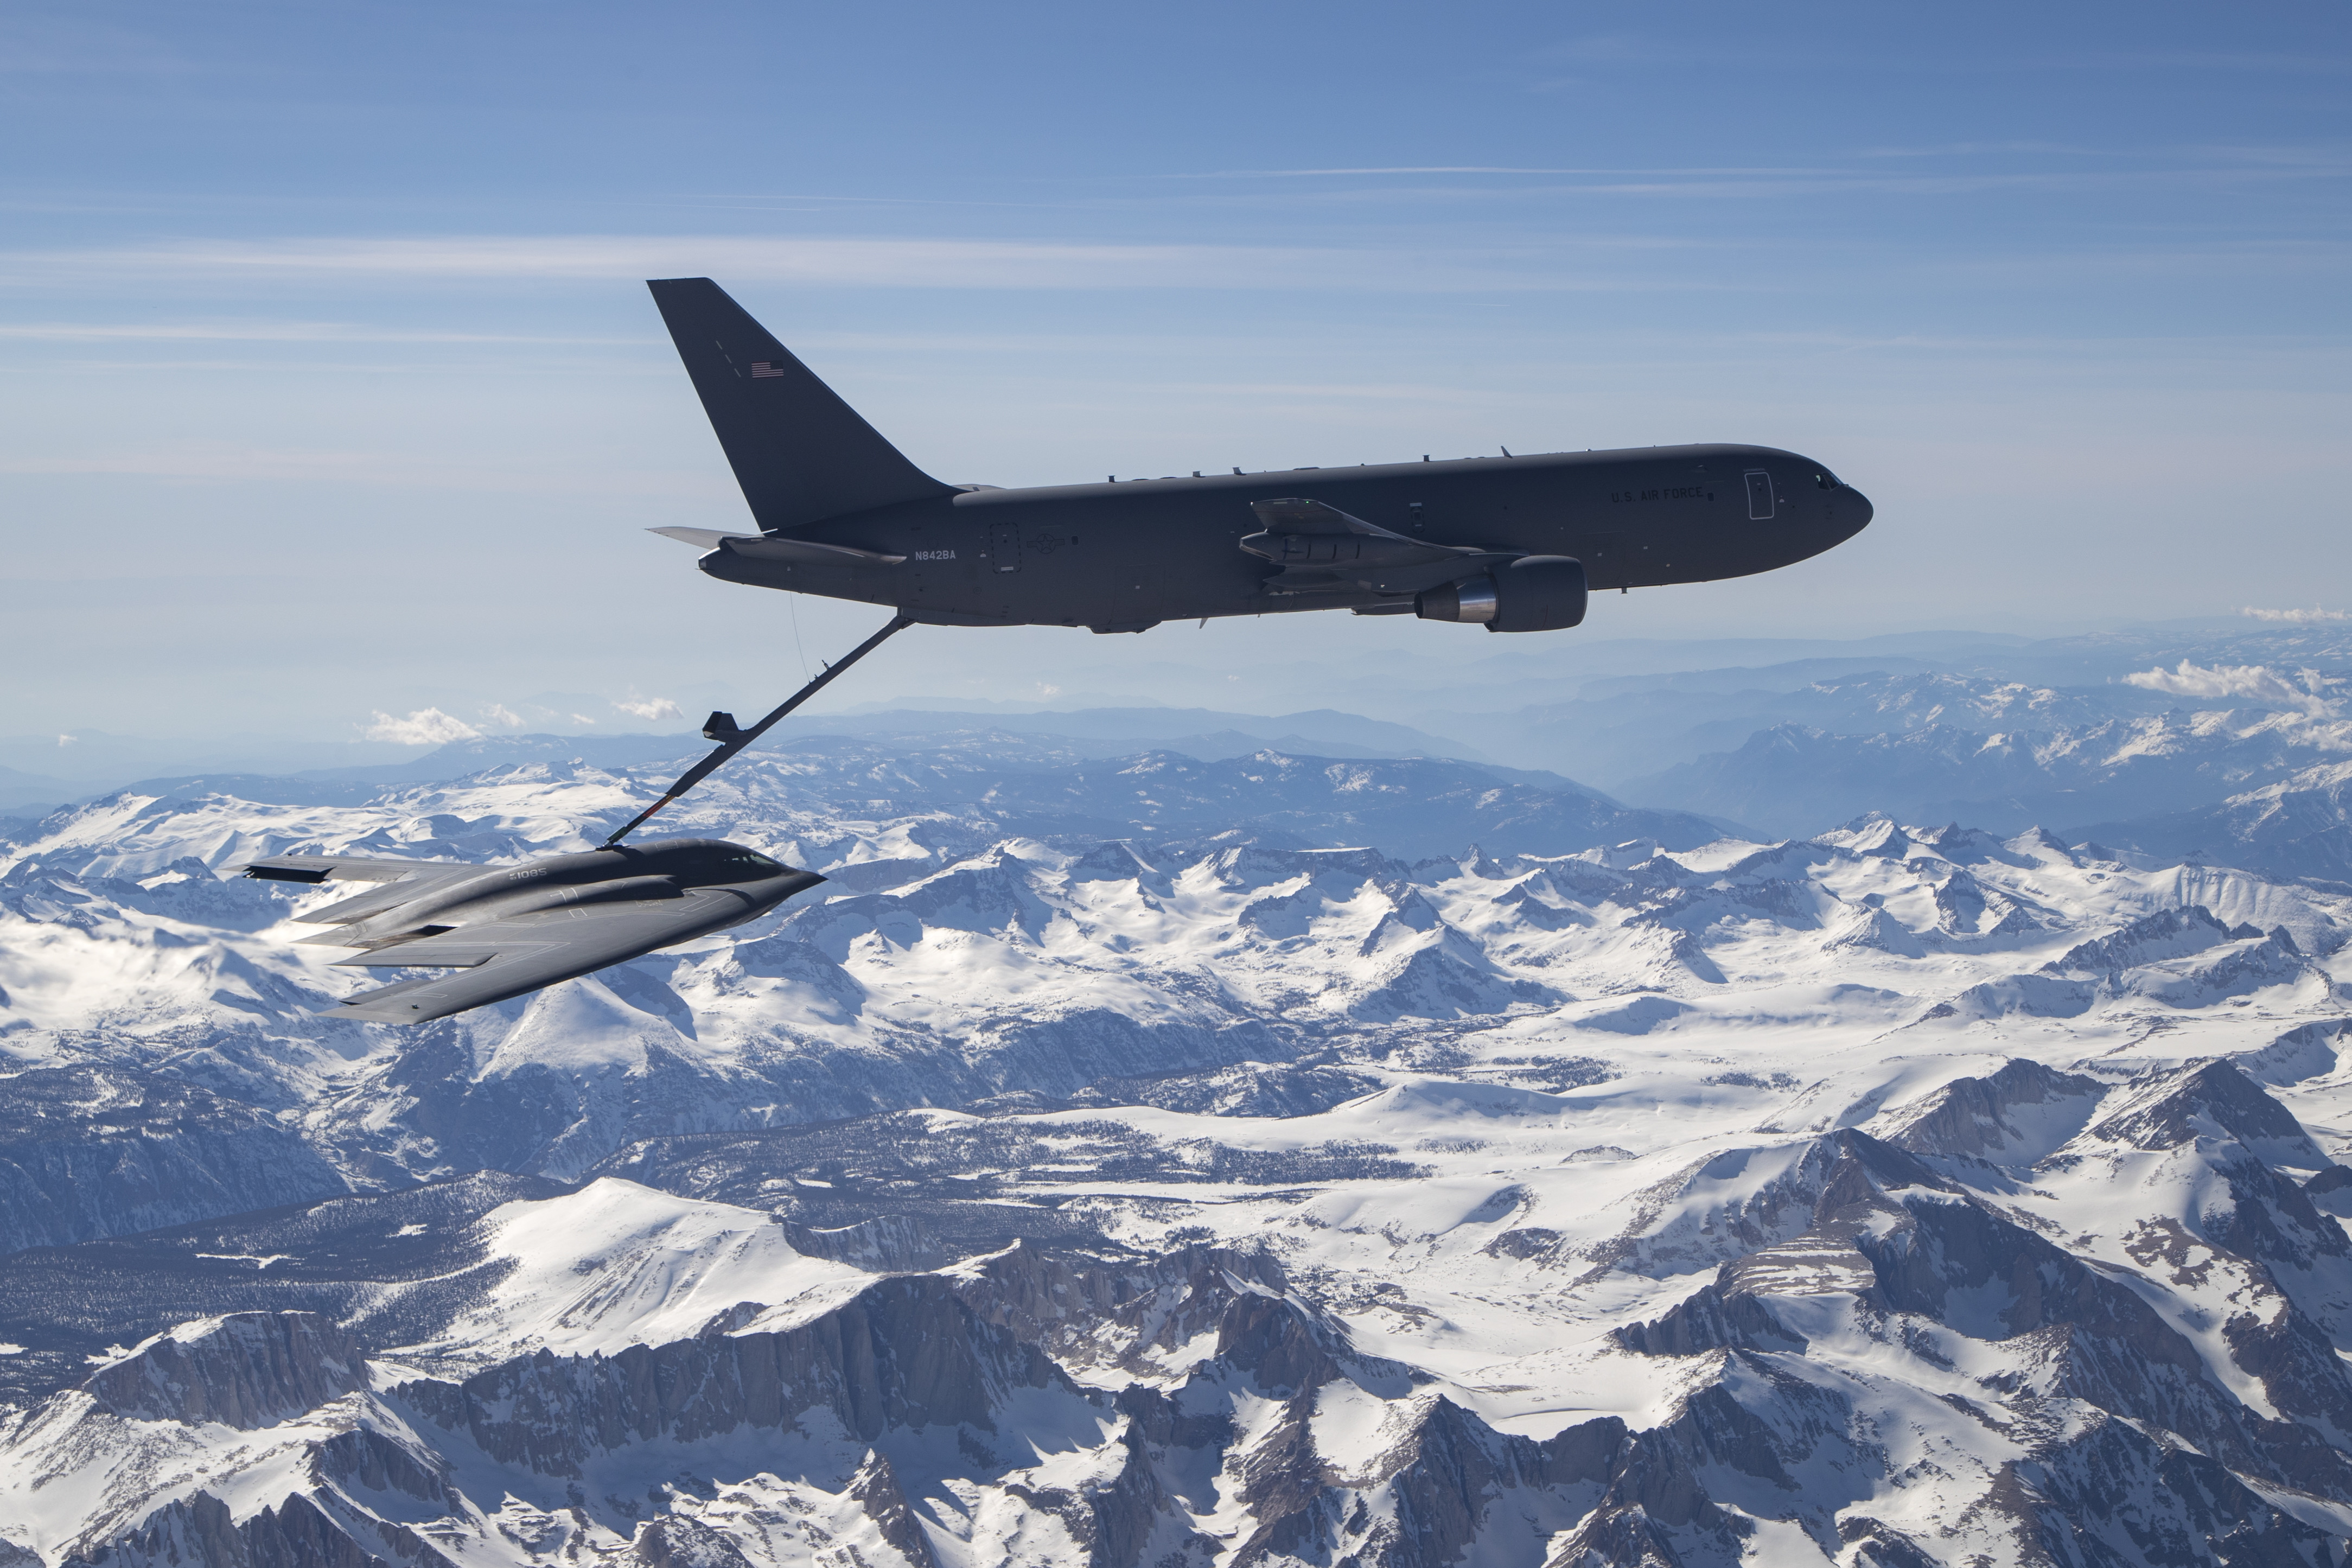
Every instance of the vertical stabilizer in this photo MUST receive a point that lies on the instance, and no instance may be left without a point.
(799, 452)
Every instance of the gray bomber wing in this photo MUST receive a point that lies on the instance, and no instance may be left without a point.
(349, 869)
(499, 959)
(400, 880)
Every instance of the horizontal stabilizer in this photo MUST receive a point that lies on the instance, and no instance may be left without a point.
(762, 547)
(801, 454)
(702, 537)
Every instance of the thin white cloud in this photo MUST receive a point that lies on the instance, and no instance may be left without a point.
(2200, 61)
(902, 263)
(1977, 149)
(2296, 617)
(268, 332)
(209, 460)
(425, 727)
(1484, 169)
(832, 262)
(2209, 167)
(67, 739)
(2254, 683)
(227, 461)
(501, 715)
(1563, 266)
(651, 708)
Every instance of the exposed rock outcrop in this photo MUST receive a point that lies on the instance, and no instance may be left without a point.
(88, 1151)
(2014, 1117)
(200, 1532)
(2168, 1109)
(247, 1370)
(905, 1352)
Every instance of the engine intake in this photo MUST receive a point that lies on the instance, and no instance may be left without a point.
(1533, 593)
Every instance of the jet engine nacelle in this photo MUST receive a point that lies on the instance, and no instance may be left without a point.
(1533, 593)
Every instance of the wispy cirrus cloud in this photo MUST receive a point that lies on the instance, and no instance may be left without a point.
(2057, 172)
(264, 333)
(230, 462)
(1479, 169)
(884, 263)
(208, 461)
(2250, 61)
(870, 263)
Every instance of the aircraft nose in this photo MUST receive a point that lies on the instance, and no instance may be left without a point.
(1853, 512)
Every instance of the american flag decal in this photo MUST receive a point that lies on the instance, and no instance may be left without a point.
(761, 367)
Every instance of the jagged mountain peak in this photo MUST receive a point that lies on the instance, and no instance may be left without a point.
(245, 1369)
(1743, 1199)
(2166, 934)
(2013, 1116)
(1872, 834)
(2208, 1100)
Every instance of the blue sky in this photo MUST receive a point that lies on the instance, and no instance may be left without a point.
(328, 386)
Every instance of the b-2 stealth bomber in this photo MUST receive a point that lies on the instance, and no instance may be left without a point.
(507, 929)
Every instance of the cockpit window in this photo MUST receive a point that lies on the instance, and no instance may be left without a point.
(1828, 481)
(756, 864)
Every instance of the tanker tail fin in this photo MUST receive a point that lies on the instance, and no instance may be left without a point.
(801, 454)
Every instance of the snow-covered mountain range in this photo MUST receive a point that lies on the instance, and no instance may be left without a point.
(1973, 767)
(1152, 1160)
(1771, 737)
(2113, 729)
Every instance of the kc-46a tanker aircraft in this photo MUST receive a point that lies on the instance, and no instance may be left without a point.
(1509, 543)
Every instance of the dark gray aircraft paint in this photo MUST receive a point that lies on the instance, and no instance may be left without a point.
(507, 929)
(1510, 543)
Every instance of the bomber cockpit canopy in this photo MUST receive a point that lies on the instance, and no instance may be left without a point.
(704, 857)
(753, 862)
